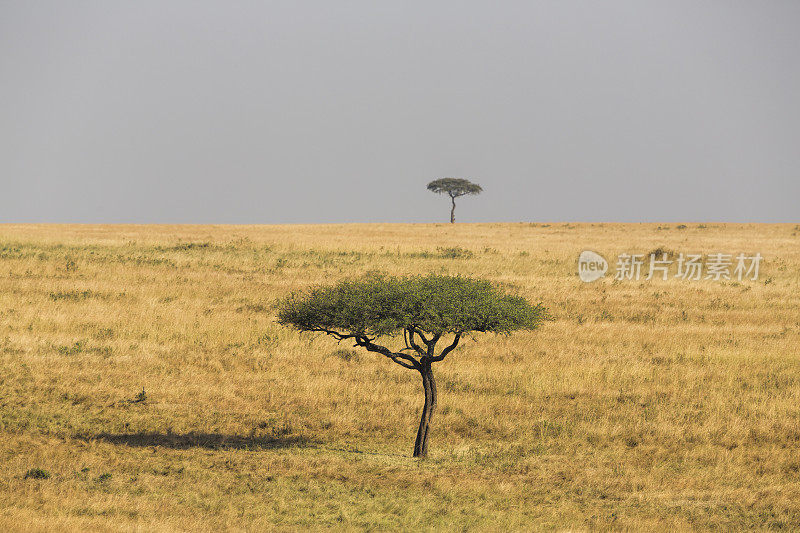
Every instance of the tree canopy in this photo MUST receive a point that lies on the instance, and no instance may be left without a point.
(380, 306)
(454, 187)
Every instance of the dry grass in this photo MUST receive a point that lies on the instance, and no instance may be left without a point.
(643, 405)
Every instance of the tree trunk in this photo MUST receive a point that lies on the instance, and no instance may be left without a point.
(421, 445)
(453, 210)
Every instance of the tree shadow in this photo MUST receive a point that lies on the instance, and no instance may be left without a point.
(212, 441)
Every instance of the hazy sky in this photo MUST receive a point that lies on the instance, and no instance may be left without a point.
(299, 111)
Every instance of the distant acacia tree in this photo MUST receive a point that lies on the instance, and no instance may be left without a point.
(454, 187)
(423, 309)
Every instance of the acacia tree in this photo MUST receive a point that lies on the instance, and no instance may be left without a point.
(425, 310)
(454, 187)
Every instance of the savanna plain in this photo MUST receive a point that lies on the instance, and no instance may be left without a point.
(145, 385)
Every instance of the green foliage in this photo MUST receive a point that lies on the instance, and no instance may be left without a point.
(455, 252)
(37, 473)
(379, 305)
(454, 187)
(78, 295)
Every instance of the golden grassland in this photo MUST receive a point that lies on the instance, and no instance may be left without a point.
(643, 405)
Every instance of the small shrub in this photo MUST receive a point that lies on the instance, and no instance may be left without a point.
(606, 316)
(76, 348)
(455, 252)
(346, 355)
(37, 473)
(191, 246)
(142, 396)
(77, 295)
(104, 333)
(103, 477)
(252, 308)
(660, 251)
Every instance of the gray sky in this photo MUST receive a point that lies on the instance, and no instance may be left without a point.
(299, 111)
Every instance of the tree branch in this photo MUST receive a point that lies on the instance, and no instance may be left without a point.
(419, 332)
(432, 344)
(448, 349)
(362, 340)
(400, 358)
(335, 334)
(411, 341)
